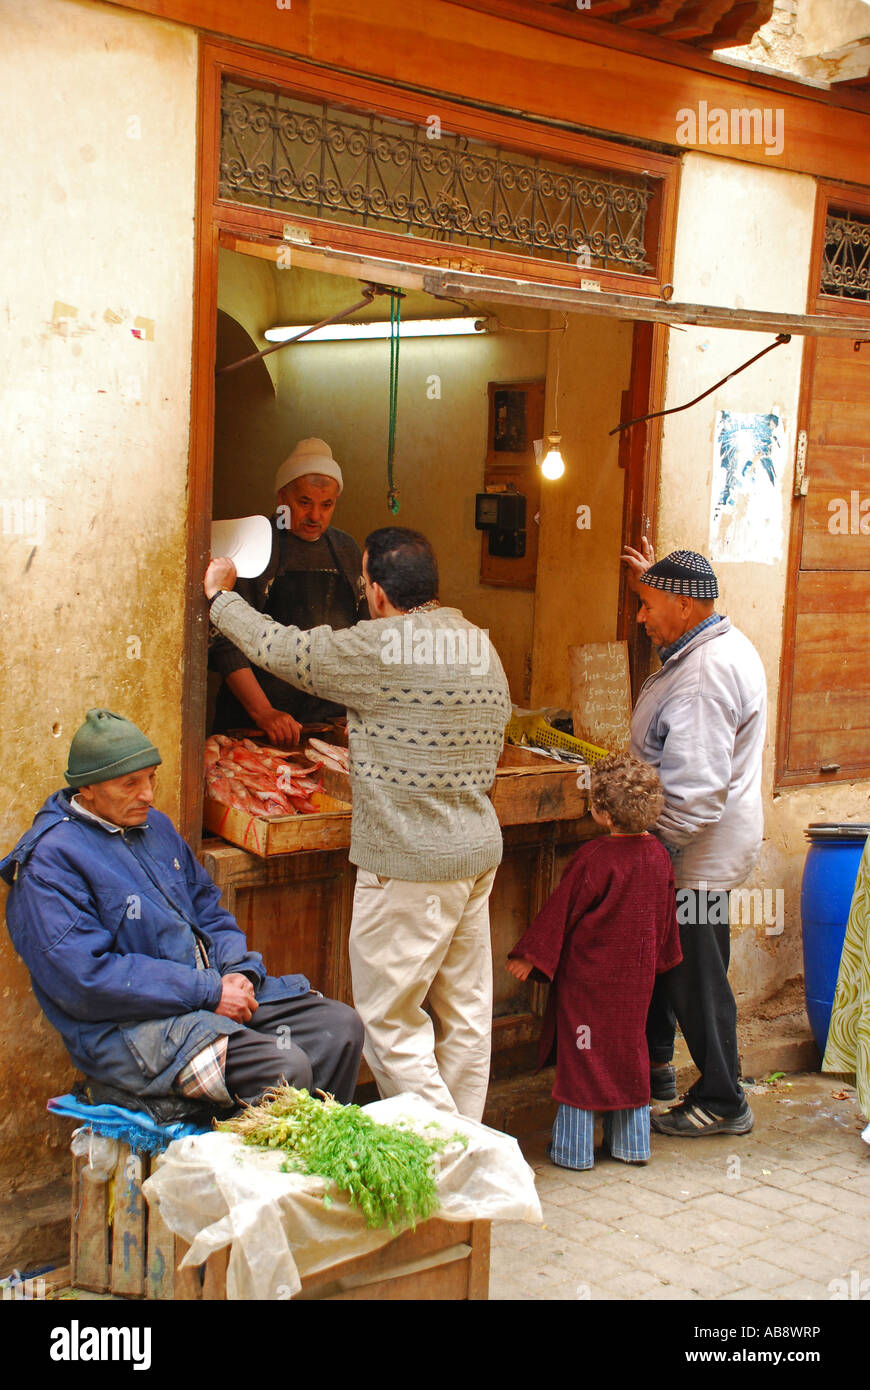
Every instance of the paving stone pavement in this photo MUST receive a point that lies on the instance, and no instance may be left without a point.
(778, 1214)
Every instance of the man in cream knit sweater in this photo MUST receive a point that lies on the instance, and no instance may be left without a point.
(427, 702)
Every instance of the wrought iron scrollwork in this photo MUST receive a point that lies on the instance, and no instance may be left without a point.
(846, 262)
(358, 168)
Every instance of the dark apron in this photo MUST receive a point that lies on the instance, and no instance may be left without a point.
(304, 599)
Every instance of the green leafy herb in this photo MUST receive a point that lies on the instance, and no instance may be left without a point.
(388, 1171)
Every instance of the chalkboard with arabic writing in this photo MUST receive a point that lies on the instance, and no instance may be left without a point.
(601, 694)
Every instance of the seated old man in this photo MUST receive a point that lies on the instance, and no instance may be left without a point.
(147, 979)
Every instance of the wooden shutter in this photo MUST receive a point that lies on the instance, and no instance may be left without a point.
(824, 731)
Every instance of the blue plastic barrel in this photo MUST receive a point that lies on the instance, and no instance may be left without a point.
(826, 895)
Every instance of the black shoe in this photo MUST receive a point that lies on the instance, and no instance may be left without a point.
(690, 1121)
(663, 1083)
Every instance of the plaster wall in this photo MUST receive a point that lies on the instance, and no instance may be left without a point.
(826, 26)
(339, 392)
(822, 41)
(743, 240)
(578, 559)
(248, 291)
(96, 277)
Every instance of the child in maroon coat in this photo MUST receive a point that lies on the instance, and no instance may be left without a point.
(607, 931)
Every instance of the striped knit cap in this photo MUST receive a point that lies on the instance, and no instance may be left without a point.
(683, 572)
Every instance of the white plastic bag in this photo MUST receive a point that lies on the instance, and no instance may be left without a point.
(215, 1191)
(102, 1151)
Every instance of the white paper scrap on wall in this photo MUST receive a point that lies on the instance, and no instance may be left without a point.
(746, 497)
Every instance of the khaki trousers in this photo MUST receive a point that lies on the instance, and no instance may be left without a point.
(416, 943)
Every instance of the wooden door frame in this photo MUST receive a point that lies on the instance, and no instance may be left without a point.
(531, 135)
(218, 219)
(827, 193)
(639, 455)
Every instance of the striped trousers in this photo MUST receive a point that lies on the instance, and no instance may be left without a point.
(626, 1136)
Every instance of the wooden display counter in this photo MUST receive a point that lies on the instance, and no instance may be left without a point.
(295, 909)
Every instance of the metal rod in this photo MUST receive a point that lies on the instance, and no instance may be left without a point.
(673, 410)
(369, 294)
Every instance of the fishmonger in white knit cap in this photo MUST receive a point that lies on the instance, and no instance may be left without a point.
(307, 485)
(314, 577)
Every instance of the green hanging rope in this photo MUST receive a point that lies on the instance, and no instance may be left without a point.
(395, 322)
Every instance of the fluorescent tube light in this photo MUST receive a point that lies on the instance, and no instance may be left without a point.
(359, 332)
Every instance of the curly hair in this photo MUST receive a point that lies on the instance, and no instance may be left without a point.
(628, 791)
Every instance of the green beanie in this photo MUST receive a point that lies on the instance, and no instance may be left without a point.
(107, 746)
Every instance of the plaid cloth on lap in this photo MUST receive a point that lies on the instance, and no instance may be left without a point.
(203, 1077)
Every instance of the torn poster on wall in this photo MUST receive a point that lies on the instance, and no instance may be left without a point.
(746, 497)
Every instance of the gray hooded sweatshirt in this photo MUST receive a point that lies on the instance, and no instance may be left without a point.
(700, 721)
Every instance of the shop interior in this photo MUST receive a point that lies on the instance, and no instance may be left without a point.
(445, 452)
(447, 430)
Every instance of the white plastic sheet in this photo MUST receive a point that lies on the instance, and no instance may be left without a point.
(215, 1191)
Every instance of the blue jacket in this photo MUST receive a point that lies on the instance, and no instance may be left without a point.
(107, 924)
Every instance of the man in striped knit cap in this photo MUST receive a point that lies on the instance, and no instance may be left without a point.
(427, 702)
(700, 722)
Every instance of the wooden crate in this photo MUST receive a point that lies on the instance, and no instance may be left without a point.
(328, 828)
(529, 788)
(90, 1232)
(119, 1243)
(440, 1260)
(108, 1227)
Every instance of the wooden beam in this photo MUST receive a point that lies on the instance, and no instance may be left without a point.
(495, 289)
(540, 72)
(858, 84)
(694, 21)
(331, 261)
(550, 64)
(651, 16)
(738, 26)
(490, 289)
(621, 36)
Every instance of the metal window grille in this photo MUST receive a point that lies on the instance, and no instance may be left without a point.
(846, 262)
(318, 160)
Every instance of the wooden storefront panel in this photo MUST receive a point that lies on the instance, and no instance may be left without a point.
(839, 482)
(824, 707)
(833, 426)
(825, 731)
(513, 904)
(584, 72)
(830, 704)
(831, 690)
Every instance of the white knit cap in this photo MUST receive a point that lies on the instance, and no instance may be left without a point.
(309, 456)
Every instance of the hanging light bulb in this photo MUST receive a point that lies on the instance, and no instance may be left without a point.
(552, 464)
